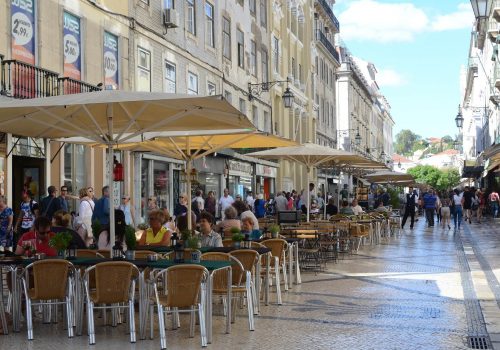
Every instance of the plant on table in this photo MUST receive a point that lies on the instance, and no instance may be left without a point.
(275, 230)
(236, 234)
(130, 238)
(193, 241)
(61, 241)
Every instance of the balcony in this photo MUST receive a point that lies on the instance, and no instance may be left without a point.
(327, 45)
(496, 9)
(66, 86)
(493, 29)
(497, 76)
(23, 80)
(329, 13)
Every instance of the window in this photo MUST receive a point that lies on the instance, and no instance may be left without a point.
(253, 7)
(211, 88)
(192, 84)
(191, 17)
(276, 52)
(168, 4)
(209, 12)
(228, 96)
(241, 48)
(243, 106)
(267, 122)
(265, 65)
(145, 2)
(300, 74)
(143, 70)
(292, 73)
(253, 57)
(263, 13)
(226, 38)
(255, 117)
(170, 79)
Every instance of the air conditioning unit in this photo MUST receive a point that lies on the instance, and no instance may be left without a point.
(170, 18)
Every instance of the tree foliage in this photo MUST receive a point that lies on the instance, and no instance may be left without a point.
(439, 179)
(405, 141)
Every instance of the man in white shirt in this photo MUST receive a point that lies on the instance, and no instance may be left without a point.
(250, 201)
(281, 202)
(356, 208)
(199, 200)
(225, 201)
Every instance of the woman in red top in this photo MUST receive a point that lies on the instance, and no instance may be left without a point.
(37, 239)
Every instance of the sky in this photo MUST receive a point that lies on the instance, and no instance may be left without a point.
(419, 48)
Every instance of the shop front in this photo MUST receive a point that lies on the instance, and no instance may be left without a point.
(265, 182)
(240, 177)
(210, 175)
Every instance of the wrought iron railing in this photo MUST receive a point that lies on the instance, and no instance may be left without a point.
(67, 85)
(23, 80)
(330, 14)
(327, 44)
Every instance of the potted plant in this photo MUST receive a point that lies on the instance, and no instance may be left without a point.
(193, 242)
(60, 242)
(96, 229)
(236, 236)
(275, 230)
(131, 241)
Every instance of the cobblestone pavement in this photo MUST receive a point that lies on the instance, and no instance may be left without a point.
(426, 289)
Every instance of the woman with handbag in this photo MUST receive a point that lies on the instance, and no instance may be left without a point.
(6, 220)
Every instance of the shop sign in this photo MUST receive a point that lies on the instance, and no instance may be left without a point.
(241, 167)
(264, 170)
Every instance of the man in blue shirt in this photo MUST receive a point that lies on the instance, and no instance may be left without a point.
(101, 209)
(430, 206)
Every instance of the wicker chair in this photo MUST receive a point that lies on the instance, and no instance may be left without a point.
(115, 289)
(227, 242)
(52, 285)
(106, 253)
(143, 254)
(182, 294)
(238, 290)
(3, 318)
(278, 248)
(249, 260)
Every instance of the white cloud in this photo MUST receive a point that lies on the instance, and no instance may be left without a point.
(372, 20)
(463, 18)
(389, 77)
(396, 22)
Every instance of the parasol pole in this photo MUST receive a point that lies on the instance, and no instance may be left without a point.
(111, 198)
(308, 192)
(189, 166)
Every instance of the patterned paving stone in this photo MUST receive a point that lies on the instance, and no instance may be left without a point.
(407, 293)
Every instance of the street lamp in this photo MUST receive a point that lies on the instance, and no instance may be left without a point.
(459, 119)
(456, 144)
(345, 132)
(481, 8)
(255, 90)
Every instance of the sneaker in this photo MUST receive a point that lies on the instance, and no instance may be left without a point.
(449, 228)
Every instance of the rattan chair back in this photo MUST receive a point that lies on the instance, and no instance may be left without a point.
(183, 285)
(105, 253)
(113, 281)
(248, 259)
(50, 279)
(143, 254)
(227, 242)
(219, 278)
(277, 247)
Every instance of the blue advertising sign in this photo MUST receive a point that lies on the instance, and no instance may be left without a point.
(111, 78)
(23, 30)
(72, 46)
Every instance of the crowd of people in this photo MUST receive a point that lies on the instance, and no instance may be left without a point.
(447, 206)
(213, 217)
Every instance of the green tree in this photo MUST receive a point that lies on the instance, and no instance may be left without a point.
(447, 139)
(405, 141)
(434, 177)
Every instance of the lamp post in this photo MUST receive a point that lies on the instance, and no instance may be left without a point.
(481, 8)
(345, 132)
(255, 90)
(459, 119)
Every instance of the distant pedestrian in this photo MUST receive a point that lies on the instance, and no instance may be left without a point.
(482, 202)
(430, 200)
(409, 208)
(494, 200)
(6, 225)
(29, 211)
(211, 203)
(467, 196)
(63, 200)
(51, 203)
(260, 206)
(457, 209)
(445, 211)
(225, 201)
(128, 210)
(101, 209)
(281, 202)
